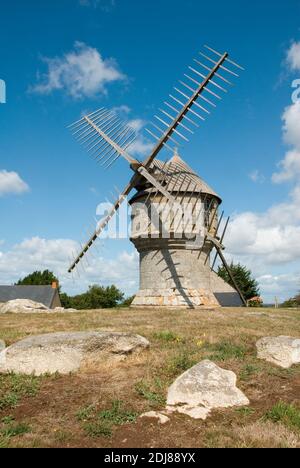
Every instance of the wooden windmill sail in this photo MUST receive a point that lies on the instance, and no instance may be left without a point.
(190, 103)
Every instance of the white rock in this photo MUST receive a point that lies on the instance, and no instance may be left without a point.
(162, 418)
(284, 351)
(22, 306)
(68, 352)
(2, 345)
(202, 388)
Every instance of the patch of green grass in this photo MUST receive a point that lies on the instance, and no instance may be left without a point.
(144, 390)
(101, 424)
(245, 411)
(248, 371)
(227, 350)
(167, 336)
(9, 400)
(180, 363)
(286, 413)
(85, 413)
(98, 429)
(117, 415)
(9, 428)
(7, 419)
(14, 386)
(16, 429)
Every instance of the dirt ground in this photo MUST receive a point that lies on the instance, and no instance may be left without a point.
(101, 407)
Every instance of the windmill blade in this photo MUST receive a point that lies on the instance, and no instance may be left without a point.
(206, 84)
(113, 137)
(102, 226)
(107, 134)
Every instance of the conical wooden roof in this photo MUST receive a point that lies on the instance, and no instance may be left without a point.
(178, 176)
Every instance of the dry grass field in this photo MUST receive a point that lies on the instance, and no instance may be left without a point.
(100, 407)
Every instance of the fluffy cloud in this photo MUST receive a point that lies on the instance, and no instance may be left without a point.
(80, 73)
(269, 242)
(141, 146)
(290, 165)
(11, 183)
(272, 284)
(293, 56)
(54, 254)
(257, 177)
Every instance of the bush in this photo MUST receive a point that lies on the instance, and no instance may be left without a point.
(97, 297)
(38, 278)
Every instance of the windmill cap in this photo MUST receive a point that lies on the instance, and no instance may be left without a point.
(182, 178)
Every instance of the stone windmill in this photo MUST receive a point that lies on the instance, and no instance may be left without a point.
(175, 214)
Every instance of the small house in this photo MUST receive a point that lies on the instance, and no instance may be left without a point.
(47, 295)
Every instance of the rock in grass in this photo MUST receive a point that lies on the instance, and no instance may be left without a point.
(283, 351)
(162, 418)
(203, 388)
(2, 345)
(26, 306)
(22, 306)
(68, 352)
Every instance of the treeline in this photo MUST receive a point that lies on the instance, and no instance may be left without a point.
(97, 297)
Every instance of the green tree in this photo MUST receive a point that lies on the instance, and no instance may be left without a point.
(243, 276)
(38, 278)
(97, 297)
(101, 297)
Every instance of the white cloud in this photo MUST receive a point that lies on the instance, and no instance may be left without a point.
(290, 165)
(293, 56)
(136, 124)
(54, 254)
(141, 146)
(291, 127)
(281, 286)
(80, 73)
(123, 110)
(269, 242)
(11, 183)
(265, 238)
(257, 177)
(290, 168)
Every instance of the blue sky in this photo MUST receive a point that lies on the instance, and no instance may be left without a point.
(135, 52)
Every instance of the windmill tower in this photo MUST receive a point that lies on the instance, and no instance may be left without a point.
(175, 269)
(175, 214)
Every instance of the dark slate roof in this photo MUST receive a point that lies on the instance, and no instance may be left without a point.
(43, 294)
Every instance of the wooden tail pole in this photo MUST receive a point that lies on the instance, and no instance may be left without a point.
(221, 241)
(220, 253)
